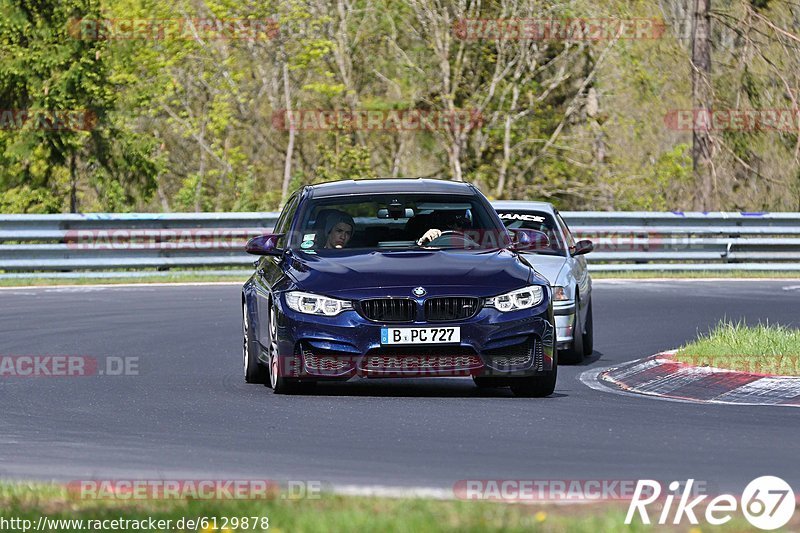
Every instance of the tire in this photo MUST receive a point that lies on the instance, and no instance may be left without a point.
(536, 386)
(588, 337)
(254, 371)
(278, 383)
(574, 354)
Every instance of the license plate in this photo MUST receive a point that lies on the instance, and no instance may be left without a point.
(420, 335)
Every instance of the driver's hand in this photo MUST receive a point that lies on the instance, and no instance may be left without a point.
(429, 236)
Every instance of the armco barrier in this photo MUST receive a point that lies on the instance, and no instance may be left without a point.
(76, 245)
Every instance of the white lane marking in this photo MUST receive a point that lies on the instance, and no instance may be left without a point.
(383, 491)
(435, 493)
(591, 378)
(792, 288)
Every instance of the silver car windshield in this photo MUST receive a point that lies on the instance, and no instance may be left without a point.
(537, 220)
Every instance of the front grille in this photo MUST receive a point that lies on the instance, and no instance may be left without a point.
(420, 362)
(519, 360)
(421, 358)
(324, 363)
(517, 356)
(450, 308)
(388, 309)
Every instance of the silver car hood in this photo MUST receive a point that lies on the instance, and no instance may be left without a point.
(548, 266)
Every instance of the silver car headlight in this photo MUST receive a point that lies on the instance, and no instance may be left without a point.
(524, 298)
(314, 304)
(560, 294)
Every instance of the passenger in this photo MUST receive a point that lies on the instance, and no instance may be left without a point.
(338, 230)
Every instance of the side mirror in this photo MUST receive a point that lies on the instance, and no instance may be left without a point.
(582, 247)
(529, 240)
(264, 245)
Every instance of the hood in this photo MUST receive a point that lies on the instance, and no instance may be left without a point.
(548, 266)
(363, 274)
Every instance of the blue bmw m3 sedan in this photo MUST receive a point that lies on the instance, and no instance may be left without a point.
(397, 278)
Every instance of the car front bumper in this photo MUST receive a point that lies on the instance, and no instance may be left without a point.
(565, 322)
(493, 344)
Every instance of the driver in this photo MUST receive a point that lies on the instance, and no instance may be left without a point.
(450, 221)
(338, 230)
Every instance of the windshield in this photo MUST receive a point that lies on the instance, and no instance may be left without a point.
(397, 222)
(540, 221)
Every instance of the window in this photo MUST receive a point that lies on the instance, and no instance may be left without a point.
(539, 221)
(397, 221)
(285, 219)
(567, 232)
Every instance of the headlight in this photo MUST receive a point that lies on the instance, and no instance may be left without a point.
(314, 304)
(560, 294)
(519, 299)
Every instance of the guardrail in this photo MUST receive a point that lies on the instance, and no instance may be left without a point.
(74, 245)
(680, 241)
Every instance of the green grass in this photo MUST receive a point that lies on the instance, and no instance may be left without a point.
(340, 513)
(761, 349)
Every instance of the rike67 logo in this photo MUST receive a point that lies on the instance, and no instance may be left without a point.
(768, 502)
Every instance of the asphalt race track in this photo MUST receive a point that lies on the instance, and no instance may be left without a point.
(189, 415)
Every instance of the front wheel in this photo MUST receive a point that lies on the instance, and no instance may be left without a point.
(588, 337)
(254, 372)
(279, 383)
(535, 386)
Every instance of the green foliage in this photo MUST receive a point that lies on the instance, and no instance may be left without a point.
(48, 69)
(344, 162)
(187, 123)
(24, 199)
(664, 180)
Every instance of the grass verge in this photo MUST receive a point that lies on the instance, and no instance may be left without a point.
(189, 276)
(698, 274)
(328, 513)
(761, 349)
(144, 278)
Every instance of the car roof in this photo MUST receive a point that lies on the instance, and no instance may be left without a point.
(523, 205)
(389, 186)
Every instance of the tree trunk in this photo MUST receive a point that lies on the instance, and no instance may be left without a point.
(287, 164)
(702, 145)
(73, 185)
(198, 186)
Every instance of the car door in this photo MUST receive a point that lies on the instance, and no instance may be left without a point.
(269, 269)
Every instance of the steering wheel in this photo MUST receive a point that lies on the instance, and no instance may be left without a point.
(453, 238)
